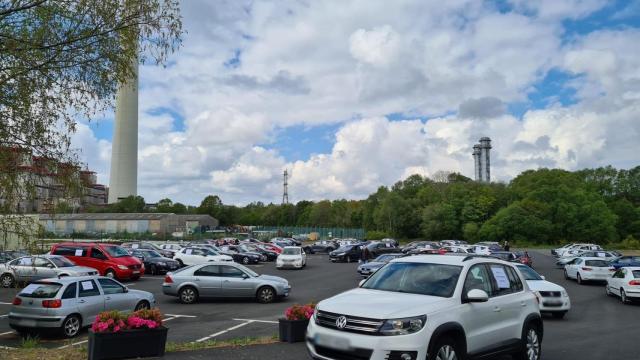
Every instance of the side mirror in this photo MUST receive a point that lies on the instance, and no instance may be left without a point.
(477, 295)
(543, 278)
(361, 282)
(126, 289)
(245, 276)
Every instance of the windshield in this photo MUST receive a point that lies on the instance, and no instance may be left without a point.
(247, 270)
(61, 262)
(344, 248)
(416, 278)
(41, 291)
(151, 254)
(529, 273)
(291, 251)
(116, 251)
(596, 263)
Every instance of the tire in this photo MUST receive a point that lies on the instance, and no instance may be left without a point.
(559, 314)
(142, 305)
(71, 326)
(607, 290)
(566, 274)
(245, 260)
(579, 279)
(623, 297)
(153, 269)
(110, 274)
(188, 295)
(266, 295)
(7, 281)
(531, 345)
(446, 349)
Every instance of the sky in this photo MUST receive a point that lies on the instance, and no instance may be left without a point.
(352, 95)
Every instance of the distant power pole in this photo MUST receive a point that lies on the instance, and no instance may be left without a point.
(285, 187)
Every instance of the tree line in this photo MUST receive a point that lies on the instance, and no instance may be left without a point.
(538, 206)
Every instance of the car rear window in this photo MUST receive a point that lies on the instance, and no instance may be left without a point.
(636, 274)
(596, 263)
(41, 290)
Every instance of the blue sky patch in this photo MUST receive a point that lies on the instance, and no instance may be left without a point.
(299, 142)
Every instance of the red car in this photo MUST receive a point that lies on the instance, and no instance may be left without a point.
(524, 258)
(271, 247)
(110, 260)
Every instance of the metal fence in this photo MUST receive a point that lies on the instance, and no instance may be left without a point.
(322, 232)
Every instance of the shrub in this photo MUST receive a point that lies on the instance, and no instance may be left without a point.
(376, 235)
(300, 312)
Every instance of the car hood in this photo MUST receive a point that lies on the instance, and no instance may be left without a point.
(251, 253)
(379, 304)
(127, 260)
(543, 285)
(273, 278)
(140, 294)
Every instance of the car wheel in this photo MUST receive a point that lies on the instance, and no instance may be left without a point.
(188, 295)
(142, 305)
(446, 349)
(532, 348)
(623, 297)
(245, 260)
(266, 295)
(110, 274)
(566, 275)
(559, 314)
(71, 326)
(7, 280)
(607, 290)
(579, 279)
(153, 270)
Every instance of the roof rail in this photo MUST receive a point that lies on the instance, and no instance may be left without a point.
(473, 256)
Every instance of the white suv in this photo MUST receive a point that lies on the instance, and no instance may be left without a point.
(431, 307)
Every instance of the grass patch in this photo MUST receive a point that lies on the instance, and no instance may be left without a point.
(30, 342)
(212, 344)
(71, 353)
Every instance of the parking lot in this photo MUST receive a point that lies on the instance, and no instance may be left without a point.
(597, 327)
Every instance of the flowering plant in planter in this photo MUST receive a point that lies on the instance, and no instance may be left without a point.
(294, 326)
(300, 312)
(114, 321)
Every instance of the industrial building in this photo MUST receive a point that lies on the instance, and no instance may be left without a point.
(482, 160)
(112, 223)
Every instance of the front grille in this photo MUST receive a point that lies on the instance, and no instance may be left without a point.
(354, 324)
(550, 293)
(134, 267)
(355, 354)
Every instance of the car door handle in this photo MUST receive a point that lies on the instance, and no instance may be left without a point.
(108, 298)
(497, 309)
(81, 301)
(523, 304)
(196, 279)
(225, 281)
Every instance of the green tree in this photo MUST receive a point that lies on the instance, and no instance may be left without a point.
(440, 222)
(164, 206)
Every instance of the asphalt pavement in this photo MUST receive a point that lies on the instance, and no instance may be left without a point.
(598, 327)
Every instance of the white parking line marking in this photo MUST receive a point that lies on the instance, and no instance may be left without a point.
(7, 333)
(169, 318)
(224, 331)
(176, 315)
(7, 347)
(4, 303)
(4, 316)
(76, 343)
(260, 321)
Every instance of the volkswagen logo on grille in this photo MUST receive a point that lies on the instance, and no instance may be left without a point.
(341, 322)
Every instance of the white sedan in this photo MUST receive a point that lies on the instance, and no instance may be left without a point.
(587, 269)
(291, 257)
(554, 299)
(625, 283)
(193, 256)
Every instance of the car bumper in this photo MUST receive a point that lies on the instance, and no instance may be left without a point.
(283, 291)
(170, 289)
(555, 304)
(17, 321)
(165, 268)
(358, 346)
(289, 265)
(631, 292)
(365, 272)
(594, 277)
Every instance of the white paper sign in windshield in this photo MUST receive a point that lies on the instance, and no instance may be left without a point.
(78, 252)
(134, 246)
(188, 252)
(87, 285)
(29, 289)
(501, 277)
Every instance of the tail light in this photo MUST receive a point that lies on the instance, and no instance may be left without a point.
(168, 279)
(586, 269)
(634, 282)
(17, 301)
(52, 303)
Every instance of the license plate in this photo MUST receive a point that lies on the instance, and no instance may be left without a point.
(136, 272)
(553, 302)
(28, 323)
(332, 342)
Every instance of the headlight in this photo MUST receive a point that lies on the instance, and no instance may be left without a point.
(122, 267)
(565, 293)
(403, 326)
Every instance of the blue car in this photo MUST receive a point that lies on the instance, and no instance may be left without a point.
(624, 261)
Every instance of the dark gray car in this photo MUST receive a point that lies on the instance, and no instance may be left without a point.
(223, 280)
(33, 268)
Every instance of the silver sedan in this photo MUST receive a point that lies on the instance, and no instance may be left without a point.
(33, 268)
(70, 303)
(223, 279)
